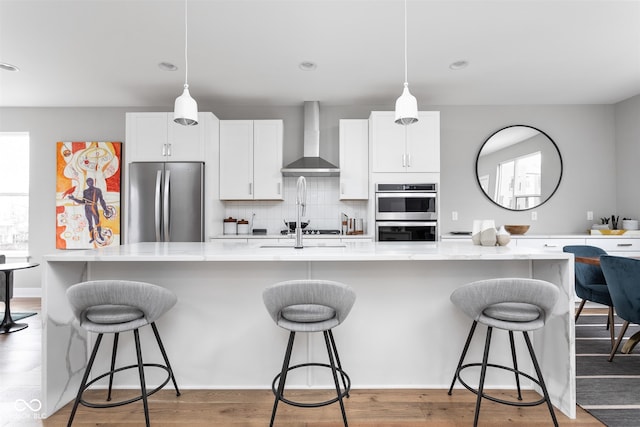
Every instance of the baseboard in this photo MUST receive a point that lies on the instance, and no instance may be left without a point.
(27, 292)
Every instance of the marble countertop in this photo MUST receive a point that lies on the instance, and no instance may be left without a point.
(553, 236)
(292, 236)
(229, 250)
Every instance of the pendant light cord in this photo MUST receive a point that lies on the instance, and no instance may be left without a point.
(405, 43)
(186, 37)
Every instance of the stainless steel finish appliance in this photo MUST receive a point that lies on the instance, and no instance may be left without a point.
(406, 212)
(406, 231)
(166, 202)
(311, 164)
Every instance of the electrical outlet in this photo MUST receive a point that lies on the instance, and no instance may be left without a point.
(589, 215)
(454, 216)
(534, 216)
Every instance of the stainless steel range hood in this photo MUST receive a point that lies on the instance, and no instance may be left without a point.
(311, 164)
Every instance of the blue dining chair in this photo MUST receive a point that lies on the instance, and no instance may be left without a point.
(623, 279)
(590, 282)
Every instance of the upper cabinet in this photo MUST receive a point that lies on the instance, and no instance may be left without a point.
(156, 137)
(354, 159)
(412, 148)
(251, 159)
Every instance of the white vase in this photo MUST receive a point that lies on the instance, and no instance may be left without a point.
(475, 231)
(502, 236)
(488, 233)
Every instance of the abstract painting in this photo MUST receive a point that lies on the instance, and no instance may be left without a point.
(88, 194)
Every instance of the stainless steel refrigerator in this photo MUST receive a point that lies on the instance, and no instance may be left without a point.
(166, 202)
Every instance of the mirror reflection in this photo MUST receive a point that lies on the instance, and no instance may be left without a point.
(519, 167)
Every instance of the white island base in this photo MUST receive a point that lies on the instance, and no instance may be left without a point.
(403, 331)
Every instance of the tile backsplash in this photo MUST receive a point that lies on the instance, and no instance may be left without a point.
(323, 206)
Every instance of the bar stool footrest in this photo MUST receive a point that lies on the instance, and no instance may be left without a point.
(496, 399)
(340, 372)
(125, 402)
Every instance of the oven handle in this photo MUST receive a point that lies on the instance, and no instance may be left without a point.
(406, 223)
(408, 195)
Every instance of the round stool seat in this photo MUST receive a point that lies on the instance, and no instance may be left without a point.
(308, 313)
(113, 314)
(308, 318)
(512, 316)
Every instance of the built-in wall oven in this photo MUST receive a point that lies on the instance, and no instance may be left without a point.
(406, 212)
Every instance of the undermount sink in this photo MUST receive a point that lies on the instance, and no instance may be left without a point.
(291, 245)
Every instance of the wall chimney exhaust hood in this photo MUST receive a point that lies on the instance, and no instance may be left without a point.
(311, 164)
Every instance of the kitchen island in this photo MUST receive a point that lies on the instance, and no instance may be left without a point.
(403, 331)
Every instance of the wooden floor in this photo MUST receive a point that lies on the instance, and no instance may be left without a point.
(20, 379)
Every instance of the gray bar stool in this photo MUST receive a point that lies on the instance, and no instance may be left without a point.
(114, 306)
(512, 305)
(310, 306)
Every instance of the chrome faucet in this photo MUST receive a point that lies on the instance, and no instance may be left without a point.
(301, 208)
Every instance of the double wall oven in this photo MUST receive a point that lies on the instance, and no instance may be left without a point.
(407, 212)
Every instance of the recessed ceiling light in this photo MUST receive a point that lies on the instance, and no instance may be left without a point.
(167, 66)
(459, 65)
(308, 66)
(8, 67)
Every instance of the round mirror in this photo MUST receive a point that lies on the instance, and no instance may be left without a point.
(519, 167)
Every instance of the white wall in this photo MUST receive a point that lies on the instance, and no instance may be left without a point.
(627, 115)
(585, 136)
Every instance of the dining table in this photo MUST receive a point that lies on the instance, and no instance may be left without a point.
(633, 339)
(8, 325)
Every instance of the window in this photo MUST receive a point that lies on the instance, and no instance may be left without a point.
(519, 182)
(14, 191)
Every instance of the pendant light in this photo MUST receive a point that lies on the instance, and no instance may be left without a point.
(185, 111)
(406, 104)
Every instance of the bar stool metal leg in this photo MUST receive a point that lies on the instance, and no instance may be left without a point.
(534, 359)
(483, 373)
(515, 364)
(143, 386)
(85, 377)
(113, 363)
(335, 351)
(335, 377)
(164, 355)
(463, 355)
(283, 376)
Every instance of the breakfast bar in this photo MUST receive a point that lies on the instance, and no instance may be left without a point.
(403, 331)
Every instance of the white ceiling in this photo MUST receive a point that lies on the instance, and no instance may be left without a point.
(246, 52)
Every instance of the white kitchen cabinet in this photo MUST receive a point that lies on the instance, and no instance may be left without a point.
(251, 159)
(156, 137)
(548, 244)
(354, 159)
(618, 246)
(412, 148)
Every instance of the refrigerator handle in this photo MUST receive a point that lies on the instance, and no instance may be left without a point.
(167, 206)
(157, 206)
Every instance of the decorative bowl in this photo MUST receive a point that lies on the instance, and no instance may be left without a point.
(612, 232)
(516, 229)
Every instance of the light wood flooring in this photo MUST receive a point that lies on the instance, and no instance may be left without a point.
(20, 379)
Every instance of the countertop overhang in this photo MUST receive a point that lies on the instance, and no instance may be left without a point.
(352, 251)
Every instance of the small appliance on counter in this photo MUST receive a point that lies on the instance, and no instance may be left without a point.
(351, 226)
